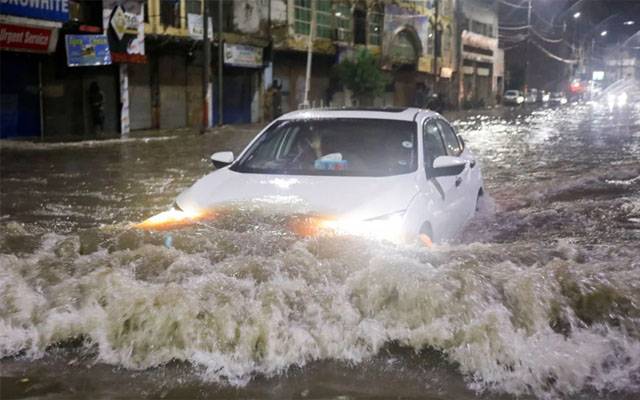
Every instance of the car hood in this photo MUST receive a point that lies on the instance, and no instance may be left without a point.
(357, 197)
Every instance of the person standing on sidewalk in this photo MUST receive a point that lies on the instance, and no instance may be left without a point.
(96, 102)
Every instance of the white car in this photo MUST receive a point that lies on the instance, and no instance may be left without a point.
(392, 174)
(513, 97)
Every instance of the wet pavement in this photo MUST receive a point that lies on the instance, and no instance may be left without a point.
(538, 297)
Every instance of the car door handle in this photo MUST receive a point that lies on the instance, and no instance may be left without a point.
(458, 181)
(472, 163)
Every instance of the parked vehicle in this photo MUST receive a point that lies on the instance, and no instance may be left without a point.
(512, 97)
(558, 99)
(399, 175)
(531, 96)
(543, 97)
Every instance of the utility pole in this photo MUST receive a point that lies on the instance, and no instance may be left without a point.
(206, 66)
(220, 62)
(312, 31)
(526, 61)
(436, 38)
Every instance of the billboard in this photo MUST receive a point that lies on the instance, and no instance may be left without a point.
(87, 50)
(51, 10)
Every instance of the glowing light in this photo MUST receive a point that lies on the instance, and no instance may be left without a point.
(387, 228)
(622, 99)
(577, 15)
(173, 219)
(603, 33)
(628, 23)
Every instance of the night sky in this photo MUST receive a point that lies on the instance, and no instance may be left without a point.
(556, 30)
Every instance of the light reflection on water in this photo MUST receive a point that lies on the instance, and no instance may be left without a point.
(538, 296)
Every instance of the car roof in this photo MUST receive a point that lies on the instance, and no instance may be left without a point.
(400, 114)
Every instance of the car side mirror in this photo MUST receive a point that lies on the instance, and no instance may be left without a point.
(446, 166)
(221, 159)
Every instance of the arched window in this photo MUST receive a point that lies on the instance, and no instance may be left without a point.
(360, 23)
(375, 20)
(343, 21)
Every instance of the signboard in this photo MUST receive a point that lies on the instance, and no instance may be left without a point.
(119, 22)
(194, 23)
(29, 39)
(86, 50)
(123, 21)
(51, 10)
(241, 55)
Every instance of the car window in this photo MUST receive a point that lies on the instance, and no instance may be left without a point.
(334, 146)
(450, 139)
(432, 142)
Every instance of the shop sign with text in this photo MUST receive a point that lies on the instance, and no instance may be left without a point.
(241, 55)
(51, 10)
(29, 39)
(87, 50)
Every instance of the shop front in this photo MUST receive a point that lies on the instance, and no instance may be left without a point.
(25, 43)
(241, 88)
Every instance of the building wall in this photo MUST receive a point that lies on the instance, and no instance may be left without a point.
(140, 107)
(173, 91)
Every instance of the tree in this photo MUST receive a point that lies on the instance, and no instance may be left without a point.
(362, 76)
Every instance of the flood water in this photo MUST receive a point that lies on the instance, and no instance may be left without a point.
(538, 298)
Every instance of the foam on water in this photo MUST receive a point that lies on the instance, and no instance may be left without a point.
(518, 318)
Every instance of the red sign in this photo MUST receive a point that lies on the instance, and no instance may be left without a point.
(26, 38)
(128, 58)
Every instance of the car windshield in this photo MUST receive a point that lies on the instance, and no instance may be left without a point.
(511, 93)
(334, 146)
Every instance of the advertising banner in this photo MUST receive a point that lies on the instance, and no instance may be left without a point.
(240, 55)
(87, 50)
(196, 28)
(123, 21)
(29, 39)
(51, 10)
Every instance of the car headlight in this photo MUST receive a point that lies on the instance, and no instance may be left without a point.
(173, 218)
(387, 227)
(622, 99)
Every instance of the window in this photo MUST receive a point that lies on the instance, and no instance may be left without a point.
(481, 28)
(432, 143)
(170, 13)
(194, 7)
(343, 22)
(334, 146)
(324, 18)
(360, 23)
(450, 139)
(375, 19)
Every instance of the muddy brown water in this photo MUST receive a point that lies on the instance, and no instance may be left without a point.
(538, 298)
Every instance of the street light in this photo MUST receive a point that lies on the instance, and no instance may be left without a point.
(603, 33)
(577, 15)
(629, 23)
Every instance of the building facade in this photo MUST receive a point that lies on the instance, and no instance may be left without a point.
(153, 79)
(482, 62)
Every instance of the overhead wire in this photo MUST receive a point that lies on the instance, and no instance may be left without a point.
(506, 3)
(551, 55)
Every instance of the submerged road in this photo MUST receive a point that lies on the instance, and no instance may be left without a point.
(539, 297)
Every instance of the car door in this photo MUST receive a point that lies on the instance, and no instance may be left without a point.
(443, 207)
(465, 191)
